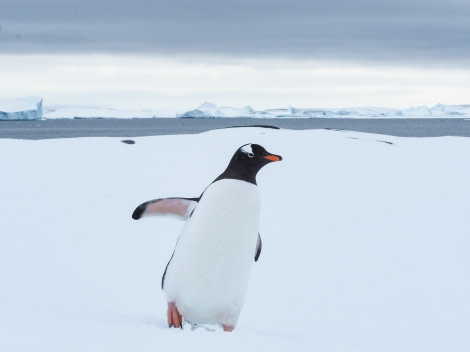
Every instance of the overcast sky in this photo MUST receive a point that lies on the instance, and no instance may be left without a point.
(424, 34)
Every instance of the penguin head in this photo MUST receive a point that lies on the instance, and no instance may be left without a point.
(254, 154)
(247, 161)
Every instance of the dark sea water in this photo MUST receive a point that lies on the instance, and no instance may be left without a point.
(109, 127)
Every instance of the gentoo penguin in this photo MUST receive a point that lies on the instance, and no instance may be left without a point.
(206, 279)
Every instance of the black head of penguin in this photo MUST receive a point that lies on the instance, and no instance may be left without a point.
(246, 162)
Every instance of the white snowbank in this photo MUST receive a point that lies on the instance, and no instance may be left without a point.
(209, 110)
(365, 243)
(29, 108)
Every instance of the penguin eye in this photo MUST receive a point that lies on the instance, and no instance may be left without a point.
(251, 155)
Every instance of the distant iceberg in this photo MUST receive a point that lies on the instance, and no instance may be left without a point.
(210, 110)
(29, 108)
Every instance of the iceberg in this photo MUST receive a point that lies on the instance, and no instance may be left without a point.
(29, 108)
(210, 110)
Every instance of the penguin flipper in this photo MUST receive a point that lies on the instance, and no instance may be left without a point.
(179, 207)
(259, 245)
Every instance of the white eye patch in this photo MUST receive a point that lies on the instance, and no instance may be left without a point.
(248, 150)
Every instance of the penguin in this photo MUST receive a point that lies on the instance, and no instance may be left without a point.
(206, 278)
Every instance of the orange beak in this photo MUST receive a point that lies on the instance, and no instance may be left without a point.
(273, 157)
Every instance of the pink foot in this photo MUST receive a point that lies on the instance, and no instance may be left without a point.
(173, 316)
(228, 328)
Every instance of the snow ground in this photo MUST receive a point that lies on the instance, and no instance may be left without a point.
(365, 243)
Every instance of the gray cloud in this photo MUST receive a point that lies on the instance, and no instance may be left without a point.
(413, 31)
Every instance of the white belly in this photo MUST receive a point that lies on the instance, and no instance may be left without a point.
(208, 275)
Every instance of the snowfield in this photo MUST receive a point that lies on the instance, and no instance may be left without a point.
(366, 243)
